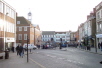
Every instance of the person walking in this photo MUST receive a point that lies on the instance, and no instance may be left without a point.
(101, 46)
(12, 49)
(17, 49)
(21, 51)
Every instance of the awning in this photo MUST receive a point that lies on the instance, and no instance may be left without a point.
(98, 35)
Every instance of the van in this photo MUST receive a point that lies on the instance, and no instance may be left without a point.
(30, 46)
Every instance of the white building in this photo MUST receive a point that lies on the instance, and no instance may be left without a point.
(64, 35)
(99, 23)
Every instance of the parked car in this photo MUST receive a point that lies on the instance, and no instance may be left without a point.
(30, 46)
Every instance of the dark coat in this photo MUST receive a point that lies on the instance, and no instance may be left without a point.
(101, 44)
(21, 48)
(17, 48)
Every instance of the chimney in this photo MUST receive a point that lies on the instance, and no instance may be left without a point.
(94, 10)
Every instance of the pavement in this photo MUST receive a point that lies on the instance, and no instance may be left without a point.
(15, 61)
(93, 50)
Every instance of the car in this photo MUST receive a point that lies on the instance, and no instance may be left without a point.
(30, 46)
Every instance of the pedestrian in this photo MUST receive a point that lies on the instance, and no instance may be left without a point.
(21, 51)
(80, 46)
(101, 46)
(12, 49)
(17, 49)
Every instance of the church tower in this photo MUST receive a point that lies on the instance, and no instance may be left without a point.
(30, 17)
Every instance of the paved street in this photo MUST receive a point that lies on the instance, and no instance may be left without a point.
(70, 58)
(50, 58)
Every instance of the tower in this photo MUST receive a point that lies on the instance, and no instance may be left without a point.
(30, 17)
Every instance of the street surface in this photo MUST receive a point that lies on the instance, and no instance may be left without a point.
(70, 58)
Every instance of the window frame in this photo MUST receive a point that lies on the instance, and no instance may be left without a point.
(20, 28)
(25, 28)
(25, 36)
(18, 22)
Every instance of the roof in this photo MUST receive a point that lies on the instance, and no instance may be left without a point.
(23, 20)
(48, 32)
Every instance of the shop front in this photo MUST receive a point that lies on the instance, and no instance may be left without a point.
(98, 38)
(10, 42)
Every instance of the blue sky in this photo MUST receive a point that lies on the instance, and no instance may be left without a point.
(55, 15)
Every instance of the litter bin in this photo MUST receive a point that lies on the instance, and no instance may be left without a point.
(6, 54)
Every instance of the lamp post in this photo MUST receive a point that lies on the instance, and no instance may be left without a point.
(27, 48)
(5, 30)
(61, 43)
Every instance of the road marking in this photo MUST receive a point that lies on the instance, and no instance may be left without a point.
(37, 63)
(74, 61)
(53, 56)
(61, 58)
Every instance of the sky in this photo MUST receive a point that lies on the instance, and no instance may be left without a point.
(55, 15)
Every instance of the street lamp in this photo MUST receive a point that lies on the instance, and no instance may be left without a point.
(61, 43)
(27, 48)
(5, 30)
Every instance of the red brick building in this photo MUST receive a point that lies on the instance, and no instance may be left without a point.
(24, 28)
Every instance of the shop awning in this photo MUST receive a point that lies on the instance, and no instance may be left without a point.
(98, 35)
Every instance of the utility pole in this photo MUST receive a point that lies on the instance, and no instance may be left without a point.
(61, 43)
(27, 48)
(95, 44)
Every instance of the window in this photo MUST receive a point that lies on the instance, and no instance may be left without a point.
(100, 26)
(63, 36)
(49, 35)
(98, 15)
(1, 7)
(19, 36)
(25, 28)
(12, 13)
(25, 36)
(20, 28)
(18, 22)
(44, 35)
(101, 13)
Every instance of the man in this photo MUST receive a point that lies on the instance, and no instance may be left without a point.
(17, 49)
(101, 46)
(21, 51)
(12, 49)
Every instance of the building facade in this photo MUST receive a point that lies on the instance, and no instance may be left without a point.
(7, 26)
(65, 35)
(55, 36)
(24, 31)
(98, 23)
(47, 36)
(37, 35)
(81, 32)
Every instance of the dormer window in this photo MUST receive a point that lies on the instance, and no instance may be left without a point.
(18, 22)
